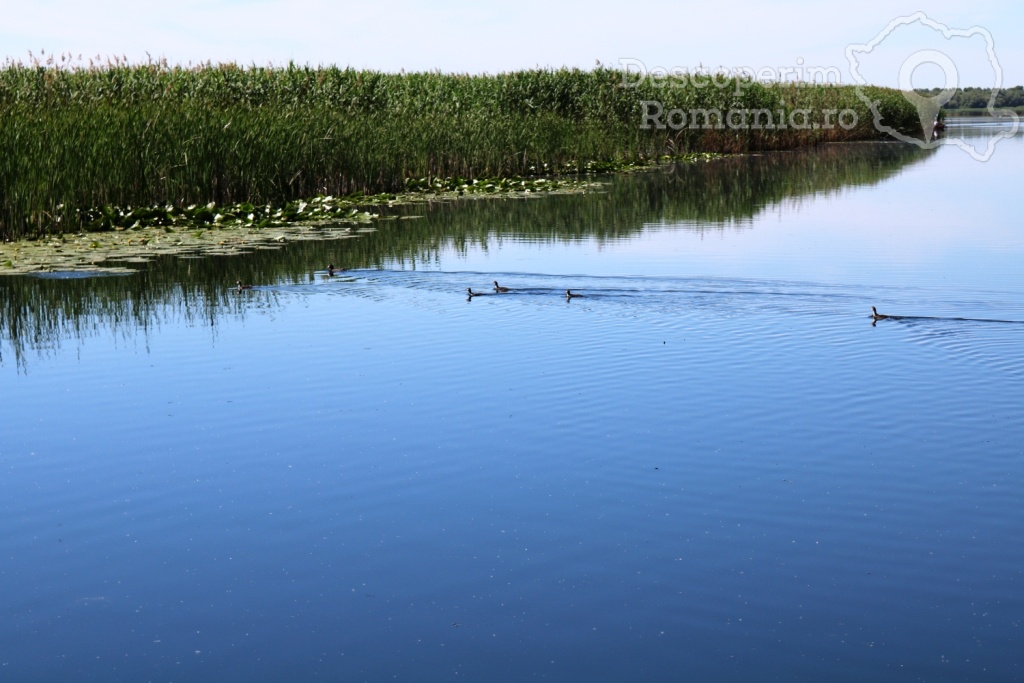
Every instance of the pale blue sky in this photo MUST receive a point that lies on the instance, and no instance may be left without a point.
(492, 37)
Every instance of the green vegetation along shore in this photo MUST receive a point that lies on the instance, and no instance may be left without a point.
(81, 145)
(979, 99)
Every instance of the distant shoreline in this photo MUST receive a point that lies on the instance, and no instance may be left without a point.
(974, 111)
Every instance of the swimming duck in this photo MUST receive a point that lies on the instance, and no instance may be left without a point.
(471, 293)
(875, 315)
(330, 270)
(241, 286)
(570, 295)
(498, 288)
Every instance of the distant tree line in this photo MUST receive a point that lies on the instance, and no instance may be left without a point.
(978, 98)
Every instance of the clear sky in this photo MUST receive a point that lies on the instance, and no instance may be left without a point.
(461, 36)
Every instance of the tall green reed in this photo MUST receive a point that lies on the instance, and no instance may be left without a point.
(75, 137)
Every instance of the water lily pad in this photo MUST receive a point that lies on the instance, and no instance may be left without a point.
(134, 241)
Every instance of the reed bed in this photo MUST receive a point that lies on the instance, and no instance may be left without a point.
(77, 139)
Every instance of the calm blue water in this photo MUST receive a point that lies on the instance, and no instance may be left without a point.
(711, 467)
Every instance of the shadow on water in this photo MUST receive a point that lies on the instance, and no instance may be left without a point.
(37, 312)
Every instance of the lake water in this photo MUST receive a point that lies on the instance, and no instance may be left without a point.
(710, 467)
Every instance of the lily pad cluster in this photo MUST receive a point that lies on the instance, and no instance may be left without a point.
(547, 177)
(209, 215)
(120, 235)
(490, 185)
(115, 251)
(350, 208)
(620, 166)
